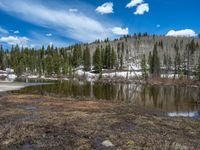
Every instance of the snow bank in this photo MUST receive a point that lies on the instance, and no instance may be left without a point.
(11, 77)
(33, 76)
(123, 74)
(8, 74)
(89, 76)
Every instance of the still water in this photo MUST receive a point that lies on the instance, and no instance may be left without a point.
(171, 100)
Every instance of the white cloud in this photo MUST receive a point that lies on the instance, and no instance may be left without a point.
(120, 31)
(16, 32)
(73, 10)
(134, 3)
(158, 26)
(49, 34)
(141, 9)
(77, 26)
(106, 8)
(182, 33)
(13, 40)
(4, 31)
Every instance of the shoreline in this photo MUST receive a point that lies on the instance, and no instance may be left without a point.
(62, 123)
(149, 81)
(11, 86)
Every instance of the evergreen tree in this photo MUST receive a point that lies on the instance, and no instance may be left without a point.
(176, 59)
(2, 67)
(150, 63)
(154, 63)
(198, 70)
(190, 47)
(77, 56)
(144, 66)
(113, 58)
(121, 61)
(97, 62)
(87, 59)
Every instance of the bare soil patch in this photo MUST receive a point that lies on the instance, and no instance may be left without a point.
(43, 122)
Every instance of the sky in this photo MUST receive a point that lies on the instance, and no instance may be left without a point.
(33, 23)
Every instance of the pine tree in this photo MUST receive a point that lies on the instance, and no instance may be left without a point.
(190, 48)
(121, 61)
(87, 59)
(2, 67)
(107, 57)
(97, 62)
(150, 63)
(198, 70)
(176, 59)
(144, 66)
(154, 63)
(77, 56)
(113, 58)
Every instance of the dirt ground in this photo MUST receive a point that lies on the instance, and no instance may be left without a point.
(30, 122)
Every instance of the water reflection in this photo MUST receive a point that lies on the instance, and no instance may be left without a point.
(173, 99)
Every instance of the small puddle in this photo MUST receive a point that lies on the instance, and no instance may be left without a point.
(27, 146)
(27, 107)
(31, 108)
(195, 115)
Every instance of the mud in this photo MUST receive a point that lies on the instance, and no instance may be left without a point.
(30, 122)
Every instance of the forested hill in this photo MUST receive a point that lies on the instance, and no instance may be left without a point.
(181, 53)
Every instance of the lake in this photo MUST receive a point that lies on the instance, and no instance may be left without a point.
(171, 100)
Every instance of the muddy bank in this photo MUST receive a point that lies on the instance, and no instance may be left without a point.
(42, 122)
(153, 81)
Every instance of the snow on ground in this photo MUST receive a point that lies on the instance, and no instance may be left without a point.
(11, 77)
(8, 74)
(33, 76)
(89, 76)
(123, 74)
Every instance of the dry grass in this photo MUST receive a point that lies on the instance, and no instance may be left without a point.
(42, 122)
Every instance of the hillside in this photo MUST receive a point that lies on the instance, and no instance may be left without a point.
(148, 55)
(135, 46)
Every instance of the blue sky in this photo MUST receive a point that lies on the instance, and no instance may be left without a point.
(34, 23)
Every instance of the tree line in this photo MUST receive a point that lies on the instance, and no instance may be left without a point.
(52, 61)
(180, 66)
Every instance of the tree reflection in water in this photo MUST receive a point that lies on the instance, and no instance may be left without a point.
(165, 98)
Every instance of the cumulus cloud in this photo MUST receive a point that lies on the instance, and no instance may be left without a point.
(13, 40)
(16, 32)
(158, 26)
(182, 33)
(141, 9)
(73, 10)
(77, 26)
(120, 31)
(134, 3)
(49, 34)
(106, 8)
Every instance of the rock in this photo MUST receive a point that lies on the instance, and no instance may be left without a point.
(107, 143)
